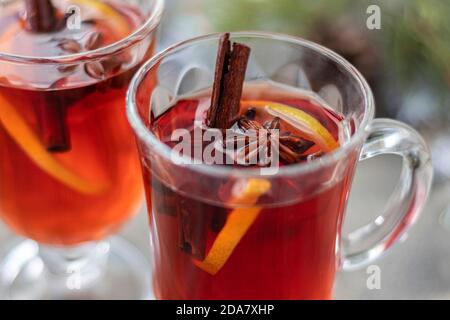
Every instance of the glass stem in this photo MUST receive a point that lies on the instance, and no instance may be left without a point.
(74, 268)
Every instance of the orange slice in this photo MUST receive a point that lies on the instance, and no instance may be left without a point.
(238, 222)
(309, 125)
(116, 20)
(24, 136)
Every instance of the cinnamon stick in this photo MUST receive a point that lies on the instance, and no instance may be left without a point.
(196, 219)
(51, 116)
(41, 17)
(229, 79)
(193, 230)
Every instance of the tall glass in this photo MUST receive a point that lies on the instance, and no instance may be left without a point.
(288, 243)
(69, 170)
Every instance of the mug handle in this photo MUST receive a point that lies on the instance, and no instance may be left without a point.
(364, 245)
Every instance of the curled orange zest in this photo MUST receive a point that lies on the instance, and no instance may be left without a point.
(24, 136)
(237, 225)
(309, 125)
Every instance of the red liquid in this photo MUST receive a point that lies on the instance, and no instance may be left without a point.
(88, 134)
(289, 251)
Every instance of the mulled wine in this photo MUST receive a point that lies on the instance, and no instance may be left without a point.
(69, 171)
(248, 156)
(208, 251)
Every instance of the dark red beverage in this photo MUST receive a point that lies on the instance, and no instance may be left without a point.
(247, 245)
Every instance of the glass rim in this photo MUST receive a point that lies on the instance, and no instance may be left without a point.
(143, 133)
(136, 36)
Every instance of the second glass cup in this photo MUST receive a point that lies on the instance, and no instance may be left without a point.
(222, 232)
(69, 171)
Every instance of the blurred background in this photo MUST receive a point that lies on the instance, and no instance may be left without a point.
(407, 63)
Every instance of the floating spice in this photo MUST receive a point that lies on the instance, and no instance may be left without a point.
(40, 15)
(229, 79)
(94, 41)
(231, 65)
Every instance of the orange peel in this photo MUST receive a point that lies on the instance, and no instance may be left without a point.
(309, 125)
(28, 141)
(236, 226)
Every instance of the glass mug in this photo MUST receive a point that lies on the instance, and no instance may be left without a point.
(67, 201)
(294, 247)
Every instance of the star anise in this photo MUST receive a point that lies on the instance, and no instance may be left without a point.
(257, 140)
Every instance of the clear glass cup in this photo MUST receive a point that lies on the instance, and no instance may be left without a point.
(294, 247)
(68, 197)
